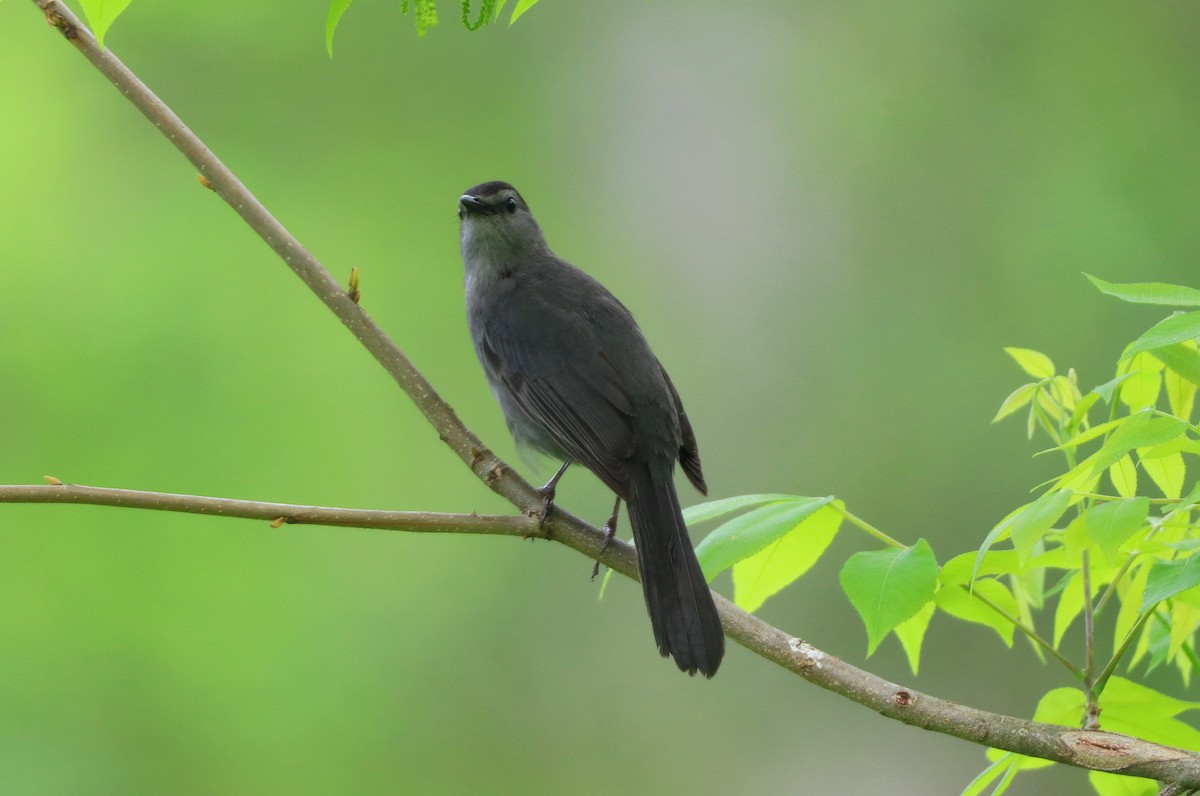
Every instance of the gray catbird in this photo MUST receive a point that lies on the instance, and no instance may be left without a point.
(577, 381)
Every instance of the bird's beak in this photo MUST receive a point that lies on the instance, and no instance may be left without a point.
(471, 204)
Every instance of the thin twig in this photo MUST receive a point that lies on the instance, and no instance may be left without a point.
(1091, 718)
(1087, 749)
(1032, 634)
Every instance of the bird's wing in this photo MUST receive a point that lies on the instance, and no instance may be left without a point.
(579, 401)
(689, 451)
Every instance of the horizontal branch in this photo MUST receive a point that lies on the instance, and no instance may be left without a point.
(1085, 748)
(277, 513)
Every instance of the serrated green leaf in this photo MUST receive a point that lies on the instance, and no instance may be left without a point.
(1070, 605)
(1123, 475)
(521, 7)
(1015, 400)
(1031, 525)
(749, 533)
(1135, 709)
(911, 633)
(1149, 292)
(1144, 383)
(962, 568)
(1184, 619)
(336, 9)
(1089, 435)
(1167, 472)
(967, 605)
(887, 587)
(703, 512)
(1034, 363)
(783, 561)
(1182, 358)
(1143, 430)
(1110, 524)
(1168, 578)
(101, 14)
(1175, 329)
(1181, 394)
(1130, 592)
(1139, 430)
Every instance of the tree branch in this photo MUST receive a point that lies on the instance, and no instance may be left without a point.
(1098, 750)
(278, 513)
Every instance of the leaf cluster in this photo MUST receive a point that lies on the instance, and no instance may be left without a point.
(1110, 543)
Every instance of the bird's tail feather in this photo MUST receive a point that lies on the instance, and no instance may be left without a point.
(685, 619)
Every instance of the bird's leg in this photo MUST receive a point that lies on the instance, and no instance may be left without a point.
(547, 492)
(610, 530)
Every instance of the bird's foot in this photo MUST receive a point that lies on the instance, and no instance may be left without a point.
(610, 530)
(547, 492)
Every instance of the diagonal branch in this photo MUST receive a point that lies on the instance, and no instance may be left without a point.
(1084, 748)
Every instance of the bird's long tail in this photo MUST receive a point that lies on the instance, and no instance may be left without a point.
(685, 619)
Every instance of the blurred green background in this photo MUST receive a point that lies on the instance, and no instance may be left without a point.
(828, 217)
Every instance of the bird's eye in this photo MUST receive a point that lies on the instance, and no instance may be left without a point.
(510, 204)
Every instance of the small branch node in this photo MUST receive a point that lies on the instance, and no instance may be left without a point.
(57, 20)
(204, 181)
(52, 481)
(810, 656)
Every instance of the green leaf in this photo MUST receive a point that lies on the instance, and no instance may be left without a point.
(703, 512)
(1130, 591)
(747, 534)
(521, 7)
(1145, 381)
(911, 633)
(1181, 394)
(1007, 764)
(1031, 525)
(1016, 399)
(1168, 578)
(1167, 472)
(1150, 292)
(963, 604)
(1184, 619)
(783, 561)
(101, 14)
(1108, 388)
(1176, 329)
(1139, 430)
(1189, 500)
(1143, 430)
(887, 587)
(1123, 475)
(336, 9)
(1106, 784)
(1134, 709)
(1034, 363)
(1087, 436)
(1182, 358)
(1110, 524)
(1070, 604)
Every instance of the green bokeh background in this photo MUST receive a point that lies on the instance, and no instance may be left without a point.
(829, 218)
